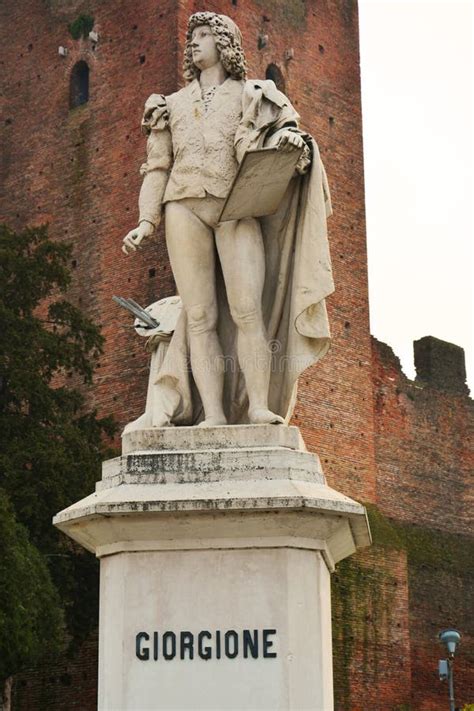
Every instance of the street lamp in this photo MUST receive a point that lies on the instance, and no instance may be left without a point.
(450, 639)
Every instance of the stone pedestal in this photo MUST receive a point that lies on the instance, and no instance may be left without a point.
(216, 548)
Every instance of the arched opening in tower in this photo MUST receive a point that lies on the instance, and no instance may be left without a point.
(274, 73)
(79, 85)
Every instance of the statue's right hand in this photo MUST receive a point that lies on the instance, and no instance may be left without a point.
(134, 238)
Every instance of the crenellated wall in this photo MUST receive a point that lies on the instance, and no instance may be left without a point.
(425, 462)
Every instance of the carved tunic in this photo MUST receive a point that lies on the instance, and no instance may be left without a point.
(194, 140)
(195, 144)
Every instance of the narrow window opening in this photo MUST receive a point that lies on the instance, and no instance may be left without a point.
(274, 73)
(79, 85)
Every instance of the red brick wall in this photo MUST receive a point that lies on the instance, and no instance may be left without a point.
(334, 409)
(441, 597)
(424, 448)
(79, 171)
(60, 685)
(424, 451)
(372, 662)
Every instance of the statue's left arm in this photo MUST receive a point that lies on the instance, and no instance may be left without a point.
(269, 119)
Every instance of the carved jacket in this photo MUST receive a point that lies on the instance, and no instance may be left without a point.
(196, 149)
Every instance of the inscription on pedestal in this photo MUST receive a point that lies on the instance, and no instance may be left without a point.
(229, 644)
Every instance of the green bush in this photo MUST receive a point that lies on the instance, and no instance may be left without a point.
(81, 26)
(51, 445)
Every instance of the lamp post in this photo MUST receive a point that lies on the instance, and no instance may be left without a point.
(450, 638)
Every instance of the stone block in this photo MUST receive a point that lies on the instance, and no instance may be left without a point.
(216, 550)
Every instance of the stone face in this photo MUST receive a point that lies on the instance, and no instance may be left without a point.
(206, 536)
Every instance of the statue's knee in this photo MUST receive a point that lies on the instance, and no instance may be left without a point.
(202, 319)
(246, 313)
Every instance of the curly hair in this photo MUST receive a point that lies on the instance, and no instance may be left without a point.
(227, 43)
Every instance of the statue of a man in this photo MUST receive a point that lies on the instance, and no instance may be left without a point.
(252, 289)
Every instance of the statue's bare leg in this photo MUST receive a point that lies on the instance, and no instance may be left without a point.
(191, 250)
(241, 253)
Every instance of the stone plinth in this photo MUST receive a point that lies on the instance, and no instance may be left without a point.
(216, 549)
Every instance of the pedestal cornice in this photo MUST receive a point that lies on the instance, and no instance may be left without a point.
(195, 488)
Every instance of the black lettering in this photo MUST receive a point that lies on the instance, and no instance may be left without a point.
(267, 643)
(250, 644)
(204, 652)
(229, 640)
(187, 643)
(169, 650)
(142, 653)
(231, 635)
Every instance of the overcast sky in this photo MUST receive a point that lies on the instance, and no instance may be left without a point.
(417, 87)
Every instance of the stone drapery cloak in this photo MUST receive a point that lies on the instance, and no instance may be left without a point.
(298, 275)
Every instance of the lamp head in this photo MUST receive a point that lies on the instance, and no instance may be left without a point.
(450, 638)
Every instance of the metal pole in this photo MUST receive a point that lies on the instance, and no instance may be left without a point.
(452, 706)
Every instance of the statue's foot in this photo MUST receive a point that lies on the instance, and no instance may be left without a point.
(162, 421)
(213, 422)
(263, 416)
(141, 423)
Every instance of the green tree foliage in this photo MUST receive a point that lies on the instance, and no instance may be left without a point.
(81, 27)
(50, 448)
(31, 616)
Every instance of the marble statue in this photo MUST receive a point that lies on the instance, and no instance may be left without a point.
(253, 290)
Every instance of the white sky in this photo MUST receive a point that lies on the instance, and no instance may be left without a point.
(417, 88)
